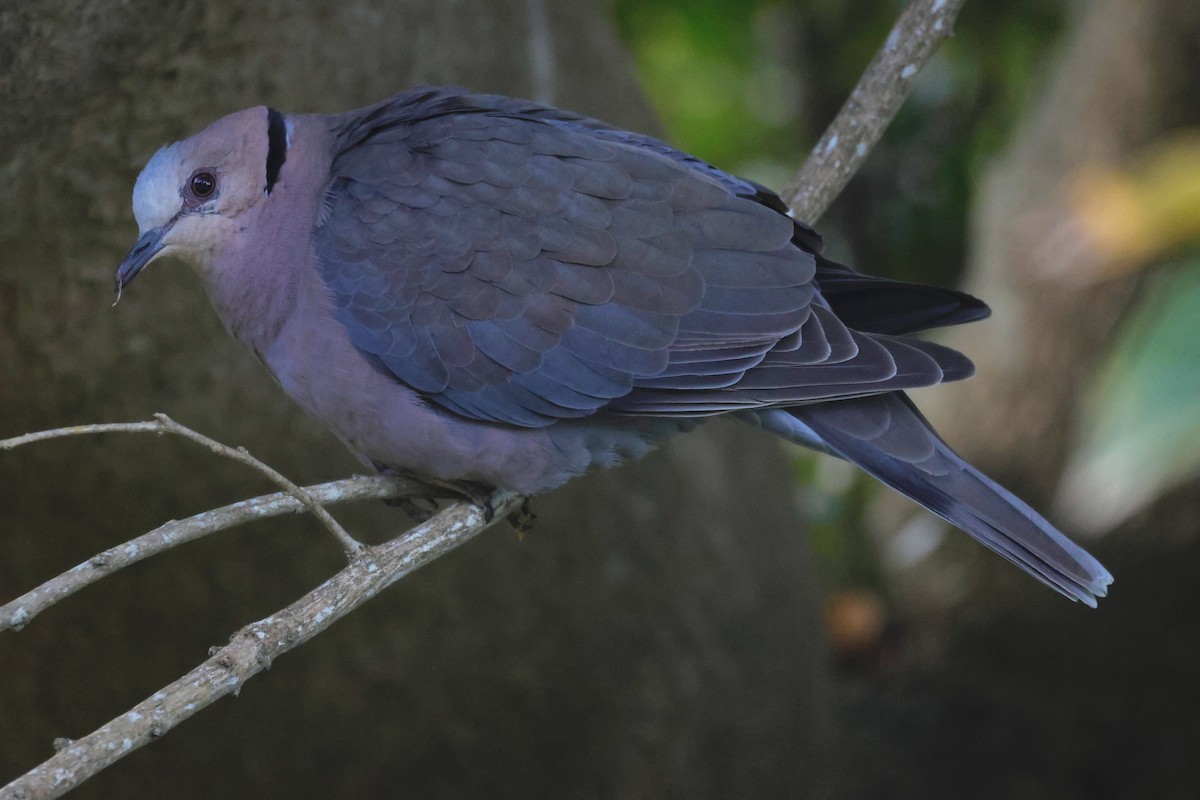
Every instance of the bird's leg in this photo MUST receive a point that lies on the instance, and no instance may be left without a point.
(416, 512)
(421, 504)
(480, 494)
(431, 490)
(471, 491)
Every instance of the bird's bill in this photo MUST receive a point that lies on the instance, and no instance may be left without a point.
(148, 245)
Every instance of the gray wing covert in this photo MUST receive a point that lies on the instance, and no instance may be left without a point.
(523, 271)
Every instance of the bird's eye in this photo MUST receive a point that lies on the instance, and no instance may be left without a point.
(203, 184)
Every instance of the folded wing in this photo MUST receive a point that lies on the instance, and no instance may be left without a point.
(526, 267)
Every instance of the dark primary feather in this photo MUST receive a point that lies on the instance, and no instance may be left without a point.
(879, 305)
(523, 265)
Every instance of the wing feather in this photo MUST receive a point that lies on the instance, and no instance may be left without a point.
(521, 265)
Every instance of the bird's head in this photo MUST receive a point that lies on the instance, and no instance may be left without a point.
(190, 195)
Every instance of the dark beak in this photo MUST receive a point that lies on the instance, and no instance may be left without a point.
(148, 246)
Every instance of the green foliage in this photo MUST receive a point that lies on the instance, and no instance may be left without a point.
(704, 66)
(750, 84)
(1143, 408)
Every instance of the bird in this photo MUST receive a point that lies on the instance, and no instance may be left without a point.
(484, 291)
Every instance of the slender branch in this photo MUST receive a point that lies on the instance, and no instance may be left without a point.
(18, 613)
(871, 107)
(254, 647)
(352, 546)
(164, 424)
(81, 430)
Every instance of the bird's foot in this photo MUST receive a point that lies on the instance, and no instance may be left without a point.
(431, 490)
(475, 493)
(418, 512)
(523, 519)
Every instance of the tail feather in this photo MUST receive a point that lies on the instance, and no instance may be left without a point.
(887, 437)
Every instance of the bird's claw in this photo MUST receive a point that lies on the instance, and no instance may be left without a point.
(409, 505)
(431, 490)
(475, 493)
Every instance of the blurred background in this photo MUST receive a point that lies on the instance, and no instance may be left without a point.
(725, 619)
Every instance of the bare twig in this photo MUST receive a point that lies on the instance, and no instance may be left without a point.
(19, 612)
(254, 647)
(164, 424)
(81, 430)
(352, 546)
(870, 108)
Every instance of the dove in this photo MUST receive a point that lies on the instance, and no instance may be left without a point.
(487, 292)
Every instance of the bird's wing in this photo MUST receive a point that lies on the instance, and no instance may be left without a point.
(867, 303)
(879, 305)
(520, 269)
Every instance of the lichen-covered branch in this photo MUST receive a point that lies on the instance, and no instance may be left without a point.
(254, 647)
(871, 107)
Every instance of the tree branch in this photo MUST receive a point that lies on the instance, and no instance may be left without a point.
(254, 647)
(81, 430)
(17, 613)
(838, 155)
(164, 424)
(871, 107)
(350, 545)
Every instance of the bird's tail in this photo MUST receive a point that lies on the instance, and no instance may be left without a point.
(886, 436)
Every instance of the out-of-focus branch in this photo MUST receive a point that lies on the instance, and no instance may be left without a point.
(17, 613)
(871, 107)
(254, 647)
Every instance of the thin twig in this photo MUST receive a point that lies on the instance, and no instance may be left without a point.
(18, 613)
(871, 107)
(352, 546)
(81, 430)
(254, 647)
(164, 424)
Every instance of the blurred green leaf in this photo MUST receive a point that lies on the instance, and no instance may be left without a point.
(1142, 432)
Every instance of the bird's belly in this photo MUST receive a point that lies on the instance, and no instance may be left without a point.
(386, 424)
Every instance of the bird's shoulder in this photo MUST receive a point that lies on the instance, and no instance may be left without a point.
(425, 116)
